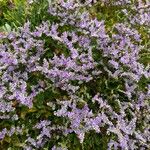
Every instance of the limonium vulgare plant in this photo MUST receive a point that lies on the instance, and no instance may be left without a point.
(76, 80)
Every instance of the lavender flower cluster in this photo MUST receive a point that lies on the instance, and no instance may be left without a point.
(88, 62)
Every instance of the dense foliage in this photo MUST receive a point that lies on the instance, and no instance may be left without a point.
(75, 75)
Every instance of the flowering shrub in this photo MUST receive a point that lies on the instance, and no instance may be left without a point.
(77, 82)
